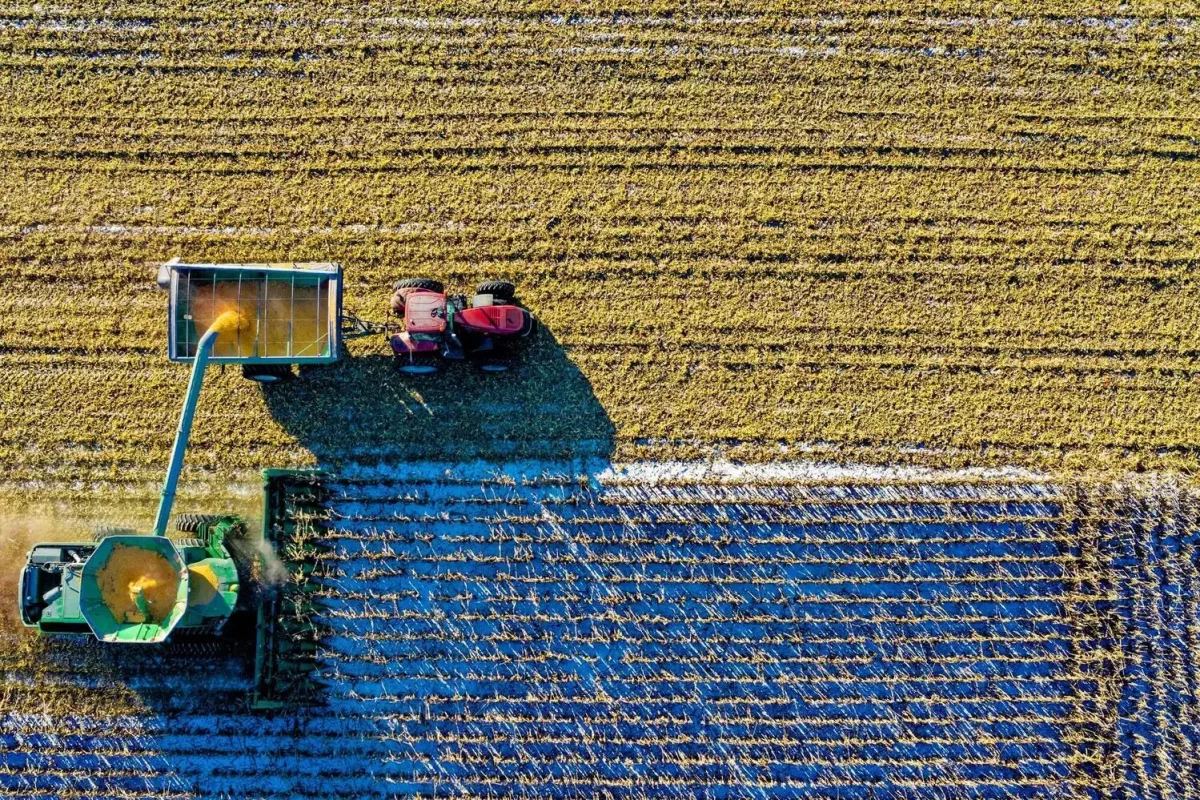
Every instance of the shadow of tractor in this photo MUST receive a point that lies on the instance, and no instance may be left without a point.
(362, 410)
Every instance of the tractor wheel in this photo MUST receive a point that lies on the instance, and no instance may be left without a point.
(499, 290)
(267, 373)
(417, 365)
(419, 283)
(104, 531)
(190, 523)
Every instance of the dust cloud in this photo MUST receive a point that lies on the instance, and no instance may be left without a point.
(274, 571)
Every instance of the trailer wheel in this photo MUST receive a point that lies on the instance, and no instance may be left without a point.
(104, 531)
(499, 290)
(429, 284)
(417, 365)
(267, 373)
(190, 523)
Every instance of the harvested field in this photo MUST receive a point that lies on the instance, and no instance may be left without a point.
(655, 630)
(956, 243)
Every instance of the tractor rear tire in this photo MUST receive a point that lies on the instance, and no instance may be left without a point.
(267, 373)
(104, 531)
(190, 523)
(417, 365)
(182, 543)
(429, 284)
(499, 290)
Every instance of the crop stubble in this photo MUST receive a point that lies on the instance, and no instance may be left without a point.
(649, 631)
(948, 238)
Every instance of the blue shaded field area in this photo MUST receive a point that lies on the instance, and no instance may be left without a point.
(654, 631)
(1152, 545)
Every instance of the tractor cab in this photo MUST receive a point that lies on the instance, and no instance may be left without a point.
(425, 312)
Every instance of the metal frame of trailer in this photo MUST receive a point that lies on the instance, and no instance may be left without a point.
(256, 286)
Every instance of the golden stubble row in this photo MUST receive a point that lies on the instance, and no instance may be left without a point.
(948, 238)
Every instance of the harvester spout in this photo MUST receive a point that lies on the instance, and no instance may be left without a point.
(228, 322)
(143, 605)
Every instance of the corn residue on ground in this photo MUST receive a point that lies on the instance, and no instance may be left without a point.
(138, 585)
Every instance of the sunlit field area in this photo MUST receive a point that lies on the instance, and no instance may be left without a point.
(853, 457)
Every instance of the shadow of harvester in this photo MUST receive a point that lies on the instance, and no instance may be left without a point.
(362, 410)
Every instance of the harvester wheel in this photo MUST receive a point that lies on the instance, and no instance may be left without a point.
(499, 290)
(105, 531)
(182, 543)
(190, 523)
(417, 365)
(267, 373)
(428, 284)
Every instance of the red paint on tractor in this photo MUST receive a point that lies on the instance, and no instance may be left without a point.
(438, 323)
(503, 320)
(425, 312)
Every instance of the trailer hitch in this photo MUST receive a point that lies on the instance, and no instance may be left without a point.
(355, 327)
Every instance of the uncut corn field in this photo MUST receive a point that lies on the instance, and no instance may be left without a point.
(855, 456)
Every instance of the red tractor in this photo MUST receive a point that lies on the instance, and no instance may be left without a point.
(455, 327)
